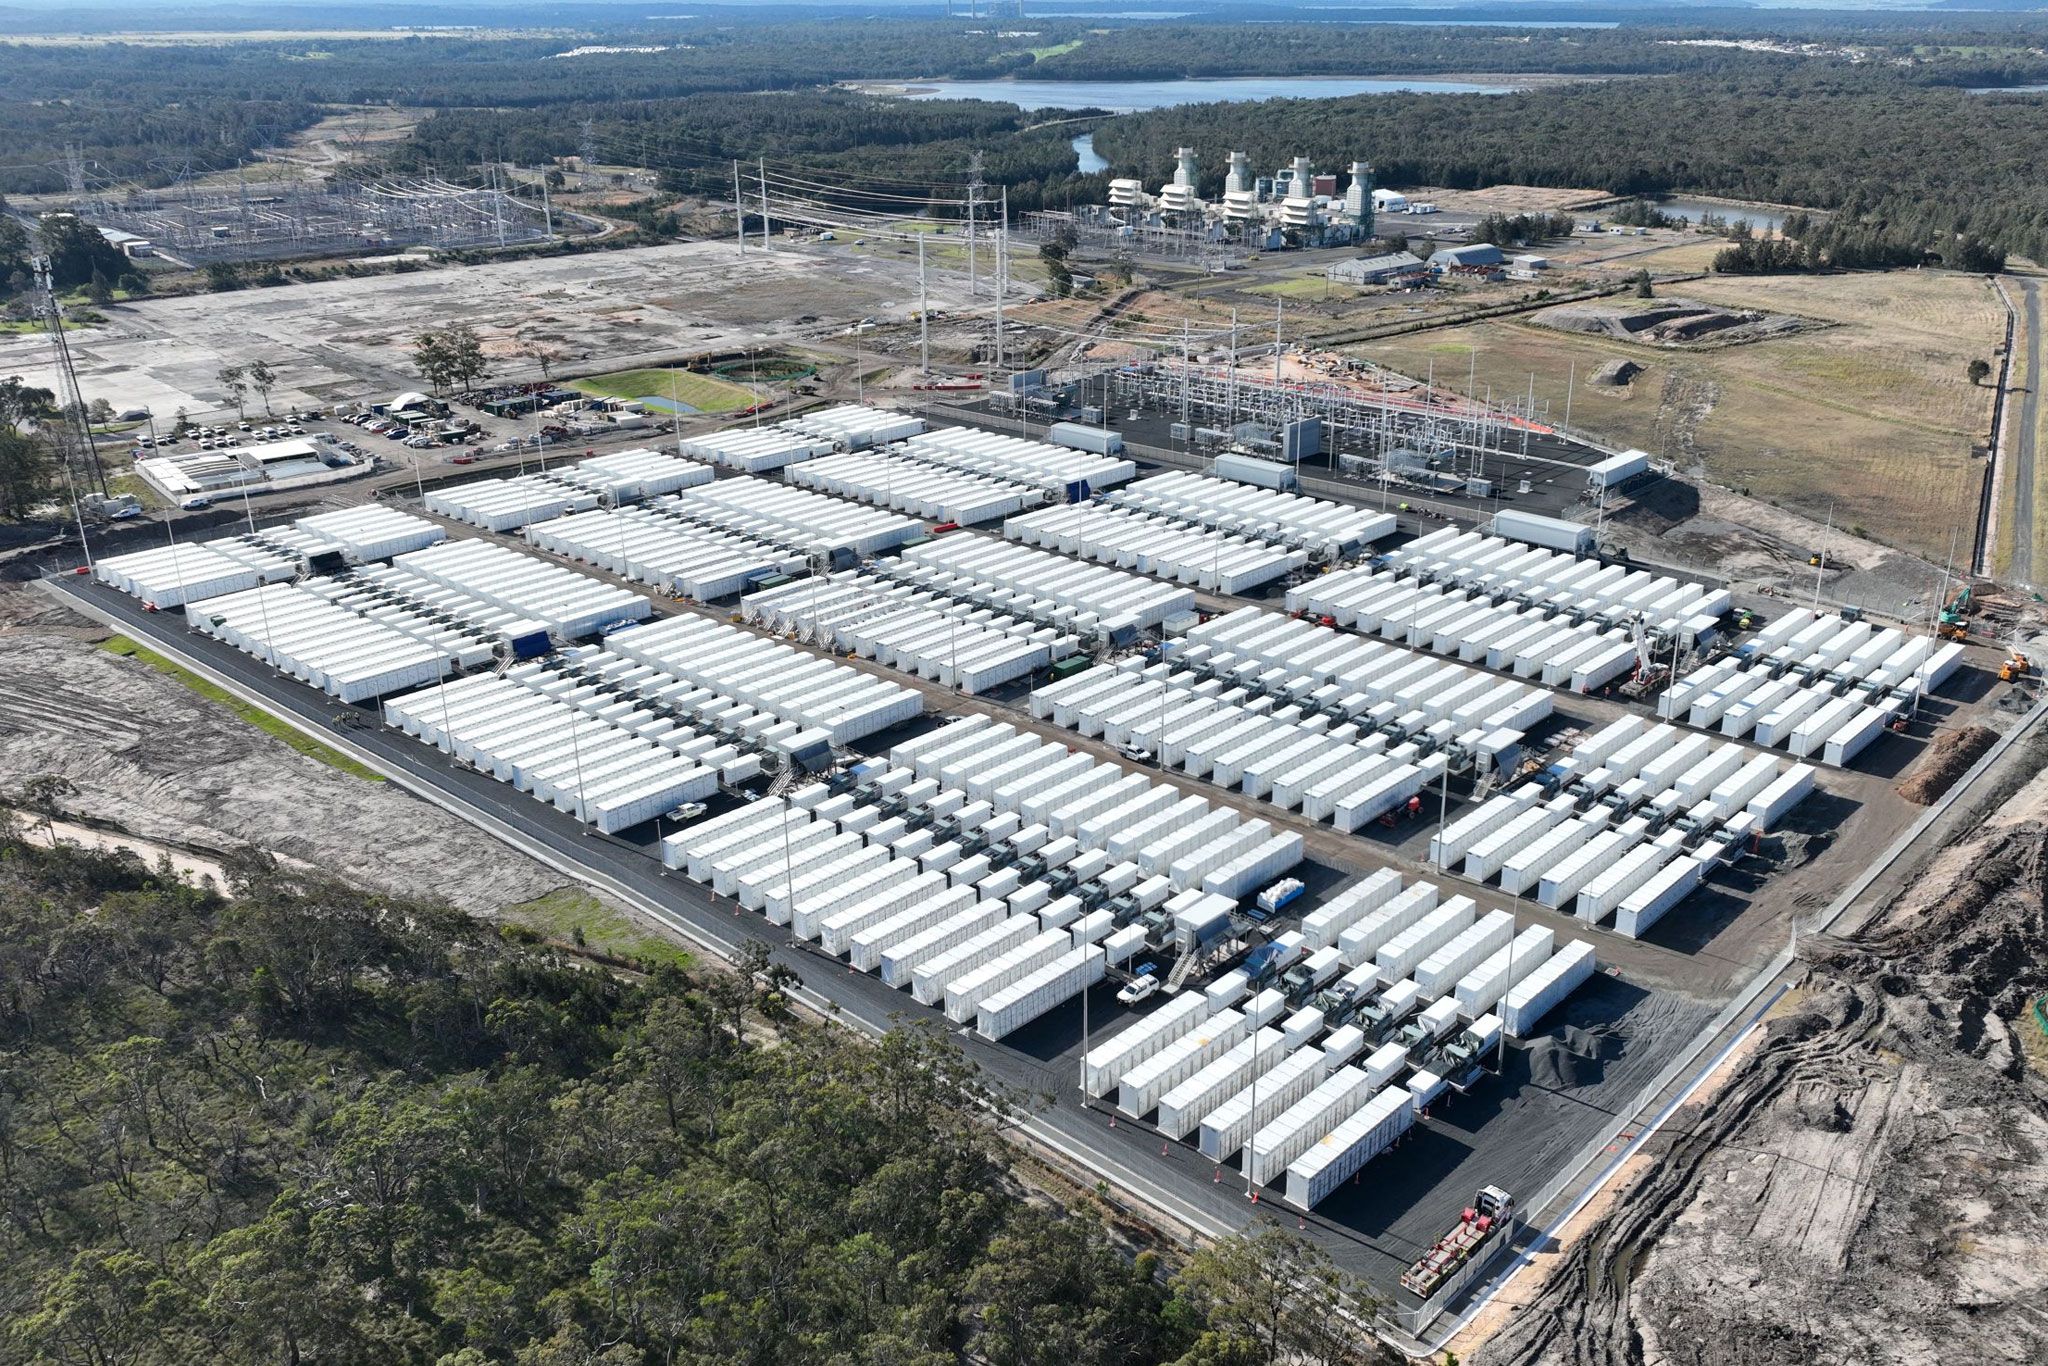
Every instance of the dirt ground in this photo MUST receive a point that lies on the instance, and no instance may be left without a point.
(1871, 417)
(155, 759)
(1870, 1184)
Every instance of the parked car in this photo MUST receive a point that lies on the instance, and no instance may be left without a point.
(464, 459)
(1139, 988)
(194, 502)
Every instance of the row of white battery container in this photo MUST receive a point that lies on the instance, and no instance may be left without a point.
(587, 741)
(1212, 852)
(681, 558)
(511, 502)
(1815, 685)
(975, 566)
(793, 517)
(991, 919)
(1020, 459)
(1226, 1066)
(176, 574)
(934, 492)
(855, 426)
(757, 450)
(1295, 758)
(1290, 519)
(564, 602)
(1164, 547)
(347, 656)
(1628, 825)
(1543, 643)
(919, 631)
(840, 703)
(1503, 569)
(1301, 660)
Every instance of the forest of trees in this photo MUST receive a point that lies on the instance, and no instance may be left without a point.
(302, 1123)
(148, 112)
(866, 151)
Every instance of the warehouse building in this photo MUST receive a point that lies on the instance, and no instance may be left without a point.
(1475, 254)
(1397, 267)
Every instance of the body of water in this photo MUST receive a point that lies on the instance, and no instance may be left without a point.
(2007, 89)
(1091, 160)
(1756, 215)
(1125, 97)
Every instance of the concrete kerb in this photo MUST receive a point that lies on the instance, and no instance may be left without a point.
(1770, 973)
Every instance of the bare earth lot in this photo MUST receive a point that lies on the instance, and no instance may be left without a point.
(345, 338)
(1872, 416)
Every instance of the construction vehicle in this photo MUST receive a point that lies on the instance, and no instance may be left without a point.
(2014, 669)
(1958, 606)
(1953, 630)
(1488, 1216)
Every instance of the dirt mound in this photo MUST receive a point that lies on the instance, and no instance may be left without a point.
(1572, 1058)
(1616, 372)
(1669, 322)
(1949, 756)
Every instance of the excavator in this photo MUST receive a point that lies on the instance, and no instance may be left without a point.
(1953, 625)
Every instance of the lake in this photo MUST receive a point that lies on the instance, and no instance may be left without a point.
(1125, 97)
(1756, 215)
(2006, 89)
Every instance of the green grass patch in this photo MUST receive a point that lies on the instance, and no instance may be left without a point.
(705, 393)
(254, 715)
(1039, 54)
(137, 485)
(566, 910)
(1302, 287)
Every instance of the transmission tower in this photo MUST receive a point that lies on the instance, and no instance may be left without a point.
(974, 189)
(76, 441)
(74, 170)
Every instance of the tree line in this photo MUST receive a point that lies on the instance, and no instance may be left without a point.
(293, 1121)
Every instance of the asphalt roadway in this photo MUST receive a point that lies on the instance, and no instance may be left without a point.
(1553, 1107)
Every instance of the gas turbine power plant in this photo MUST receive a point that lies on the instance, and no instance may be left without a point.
(1292, 207)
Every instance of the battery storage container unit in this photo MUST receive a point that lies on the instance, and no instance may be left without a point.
(1141, 1087)
(1225, 1129)
(1543, 990)
(1332, 1160)
(1182, 1109)
(1275, 1146)
(1044, 989)
(1105, 1064)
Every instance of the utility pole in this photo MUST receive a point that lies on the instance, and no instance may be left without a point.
(547, 205)
(1002, 273)
(1279, 316)
(1230, 383)
(1822, 555)
(764, 206)
(974, 188)
(739, 209)
(924, 312)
